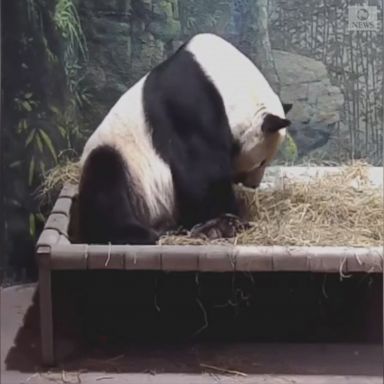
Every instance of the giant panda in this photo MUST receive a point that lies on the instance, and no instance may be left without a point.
(168, 152)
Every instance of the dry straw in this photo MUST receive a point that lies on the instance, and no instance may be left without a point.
(340, 209)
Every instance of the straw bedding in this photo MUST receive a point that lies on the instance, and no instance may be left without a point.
(341, 209)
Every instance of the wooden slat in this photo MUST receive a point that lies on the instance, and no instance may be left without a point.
(100, 257)
(63, 240)
(69, 257)
(62, 205)
(142, 258)
(48, 237)
(69, 190)
(58, 222)
(368, 259)
(219, 258)
(188, 260)
(247, 262)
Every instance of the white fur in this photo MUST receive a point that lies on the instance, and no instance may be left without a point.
(246, 94)
(125, 128)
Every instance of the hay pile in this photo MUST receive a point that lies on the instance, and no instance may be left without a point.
(55, 178)
(341, 209)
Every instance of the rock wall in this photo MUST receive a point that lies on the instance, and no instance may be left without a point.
(127, 38)
(316, 102)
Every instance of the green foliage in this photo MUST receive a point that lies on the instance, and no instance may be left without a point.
(79, 92)
(52, 58)
(288, 151)
(32, 11)
(25, 102)
(68, 126)
(34, 218)
(67, 21)
(37, 141)
(46, 131)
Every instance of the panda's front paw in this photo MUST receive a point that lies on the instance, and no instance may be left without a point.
(225, 226)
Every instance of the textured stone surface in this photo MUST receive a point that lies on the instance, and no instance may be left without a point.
(316, 102)
(126, 39)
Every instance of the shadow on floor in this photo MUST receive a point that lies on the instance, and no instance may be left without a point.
(184, 323)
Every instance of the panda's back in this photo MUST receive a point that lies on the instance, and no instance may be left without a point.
(176, 128)
(240, 83)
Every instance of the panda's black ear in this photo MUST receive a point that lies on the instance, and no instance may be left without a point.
(287, 107)
(273, 123)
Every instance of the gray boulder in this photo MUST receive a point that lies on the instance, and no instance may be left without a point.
(317, 104)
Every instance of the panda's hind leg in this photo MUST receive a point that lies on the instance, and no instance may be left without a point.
(107, 202)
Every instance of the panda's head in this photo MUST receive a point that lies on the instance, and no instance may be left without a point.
(259, 146)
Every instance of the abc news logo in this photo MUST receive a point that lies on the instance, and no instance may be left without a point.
(362, 18)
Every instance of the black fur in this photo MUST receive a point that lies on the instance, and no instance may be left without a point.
(109, 208)
(191, 132)
(273, 123)
(287, 107)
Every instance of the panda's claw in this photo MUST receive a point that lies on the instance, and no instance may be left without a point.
(225, 226)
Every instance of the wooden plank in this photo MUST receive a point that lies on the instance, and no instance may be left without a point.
(69, 190)
(320, 260)
(62, 205)
(69, 257)
(366, 259)
(100, 257)
(247, 262)
(180, 261)
(46, 316)
(63, 240)
(142, 258)
(222, 258)
(58, 222)
(48, 237)
(218, 259)
(189, 378)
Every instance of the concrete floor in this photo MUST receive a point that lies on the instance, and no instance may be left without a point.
(193, 363)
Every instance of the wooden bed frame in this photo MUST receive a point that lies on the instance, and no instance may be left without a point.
(55, 252)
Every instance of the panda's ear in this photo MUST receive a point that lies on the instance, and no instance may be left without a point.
(273, 123)
(287, 107)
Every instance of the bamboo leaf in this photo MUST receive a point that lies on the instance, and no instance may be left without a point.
(15, 164)
(40, 217)
(42, 168)
(31, 171)
(39, 143)
(48, 142)
(20, 126)
(30, 137)
(62, 131)
(54, 110)
(27, 106)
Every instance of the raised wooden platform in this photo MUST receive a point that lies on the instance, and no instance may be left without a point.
(55, 252)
